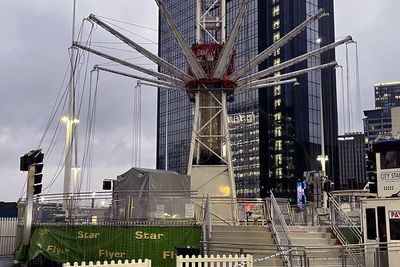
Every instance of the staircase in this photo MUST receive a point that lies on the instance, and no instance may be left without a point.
(245, 239)
(319, 245)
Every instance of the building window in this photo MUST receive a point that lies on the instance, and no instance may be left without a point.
(276, 24)
(278, 159)
(277, 52)
(277, 90)
(278, 145)
(277, 61)
(278, 131)
(276, 36)
(278, 117)
(275, 11)
(278, 172)
(277, 103)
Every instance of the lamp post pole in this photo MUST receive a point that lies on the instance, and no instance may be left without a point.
(322, 157)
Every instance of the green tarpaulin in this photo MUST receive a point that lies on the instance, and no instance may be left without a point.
(92, 243)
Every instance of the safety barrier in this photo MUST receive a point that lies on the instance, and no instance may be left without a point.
(126, 263)
(229, 261)
(8, 230)
(280, 230)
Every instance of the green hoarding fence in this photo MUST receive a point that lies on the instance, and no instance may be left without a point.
(92, 243)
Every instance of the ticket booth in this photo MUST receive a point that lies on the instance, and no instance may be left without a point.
(381, 215)
(381, 224)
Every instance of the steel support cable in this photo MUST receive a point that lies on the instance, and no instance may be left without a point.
(88, 42)
(59, 170)
(119, 43)
(83, 169)
(133, 154)
(56, 134)
(118, 49)
(359, 112)
(136, 125)
(88, 131)
(93, 130)
(56, 105)
(343, 99)
(349, 99)
(112, 63)
(128, 23)
(140, 125)
(135, 34)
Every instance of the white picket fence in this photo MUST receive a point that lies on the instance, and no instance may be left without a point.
(126, 263)
(217, 261)
(8, 232)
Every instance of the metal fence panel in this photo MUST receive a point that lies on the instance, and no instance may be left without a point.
(8, 231)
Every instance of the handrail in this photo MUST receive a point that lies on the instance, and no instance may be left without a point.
(336, 210)
(277, 219)
(213, 214)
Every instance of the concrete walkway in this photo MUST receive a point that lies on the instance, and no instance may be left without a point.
(6, 261)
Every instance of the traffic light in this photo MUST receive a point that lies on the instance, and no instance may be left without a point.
(107, 184)
(37, 169)
(33, 163)
(371, 171)
(32, 157)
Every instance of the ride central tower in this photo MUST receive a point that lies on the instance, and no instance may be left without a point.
(210, 159)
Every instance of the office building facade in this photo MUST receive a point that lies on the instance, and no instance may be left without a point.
(275, 132)
(352, 170)
(387, 95)
(377, 122)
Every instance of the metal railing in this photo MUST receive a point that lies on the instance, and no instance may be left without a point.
(136, 206)
(280, 230)
(344, 228)
(8, 231)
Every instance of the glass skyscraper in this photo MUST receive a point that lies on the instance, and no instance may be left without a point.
(275, 132)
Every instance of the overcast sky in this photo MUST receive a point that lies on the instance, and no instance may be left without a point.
(36, 34)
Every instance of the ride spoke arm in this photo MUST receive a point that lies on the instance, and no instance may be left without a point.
(158, 82)
(187, 52)
(227, 51)
(270, 70)
(140, 82)
(133, 66)
(159, 61)
(292, 74)
(266, 84)
(278, 44)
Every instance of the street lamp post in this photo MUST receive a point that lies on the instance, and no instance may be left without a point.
(322, 157)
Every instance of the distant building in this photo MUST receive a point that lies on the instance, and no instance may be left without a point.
(377, 122)
(352, 171)
(395, 115)
(8, 209)
(387, 95)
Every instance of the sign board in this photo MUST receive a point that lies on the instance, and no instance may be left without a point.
(388, 182)
(301, 186)
(394, 214)
(159, 211)
(241, 118)
(68, 243)
(189, 211)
